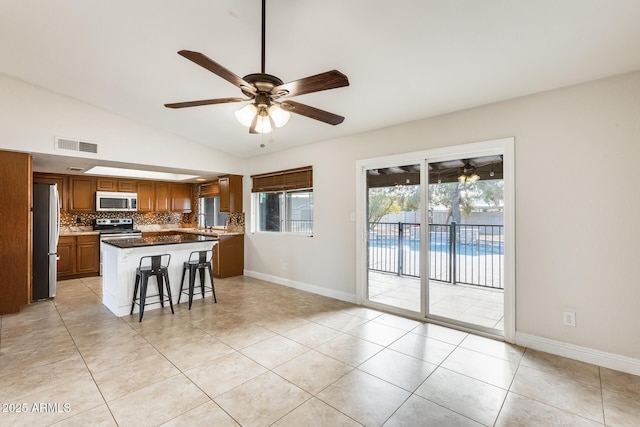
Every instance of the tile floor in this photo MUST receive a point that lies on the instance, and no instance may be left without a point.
(271, 355)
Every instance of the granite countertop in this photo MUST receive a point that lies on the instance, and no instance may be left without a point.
(140, 242)
(77, 231)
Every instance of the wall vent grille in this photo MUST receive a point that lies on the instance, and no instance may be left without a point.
(75, 145)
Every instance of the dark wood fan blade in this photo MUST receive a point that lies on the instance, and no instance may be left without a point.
(312, 112)
(324, 81)
(204, 102)
(208, 63)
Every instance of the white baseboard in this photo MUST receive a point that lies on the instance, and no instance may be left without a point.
(319, 290)
(583, 354)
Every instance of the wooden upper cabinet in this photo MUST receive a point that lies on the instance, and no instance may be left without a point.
(127, 186)
(113, 184)
(146, 196)
(230, 193)
(82, 194)
(210, 189)
(61, 180)
(163, 197)
(107, 184)
(181, 197)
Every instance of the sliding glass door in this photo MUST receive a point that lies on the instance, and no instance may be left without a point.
(436, 231)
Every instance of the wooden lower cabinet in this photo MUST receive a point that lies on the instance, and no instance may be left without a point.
(228, 256)
(79, 256)
(66, 256)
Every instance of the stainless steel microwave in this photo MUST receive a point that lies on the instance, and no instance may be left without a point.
(116, 202)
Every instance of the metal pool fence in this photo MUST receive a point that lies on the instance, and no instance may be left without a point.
(458, 253)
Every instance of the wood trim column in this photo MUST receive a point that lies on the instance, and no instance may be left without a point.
(15, 231)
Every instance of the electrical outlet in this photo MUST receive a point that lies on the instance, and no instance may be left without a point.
(569, 318)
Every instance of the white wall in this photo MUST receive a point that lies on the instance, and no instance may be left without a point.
(577, 151)
(32, 116)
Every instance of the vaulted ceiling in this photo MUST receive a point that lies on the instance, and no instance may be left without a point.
(405, 60)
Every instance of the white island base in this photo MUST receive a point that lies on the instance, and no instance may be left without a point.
(119, 274)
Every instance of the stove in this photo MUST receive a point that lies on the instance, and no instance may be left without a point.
(114, 228)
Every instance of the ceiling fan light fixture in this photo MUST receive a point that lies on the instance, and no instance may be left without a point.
(246, 114)
(263, 123)
(279, 116)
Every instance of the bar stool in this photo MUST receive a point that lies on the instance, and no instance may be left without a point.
(200, 261)
(152, 265)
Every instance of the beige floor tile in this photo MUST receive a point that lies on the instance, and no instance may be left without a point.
(26, 381)
(140, 373)
(482, 367)
(241, 337)
(399, 369)
(520, 411)
(564, 393)
(338, 321)
(495, 348)
(104, 356)
(193, 350)
(71, 397)
(397, 322)
(441, 333)
(224, 373)
(350, 350)
(274, 351)
(157, 403)
(167, 368)
(312, 334)
(377, 333)
(417, 411)
(313, 371)
(207, 414)
(558, 365)
(314, 412)
(262, 400)
(472, 398)
(620, 382)
(281, 323)
(363, 397)
(421, 347)
(99, 416)
(621, 408)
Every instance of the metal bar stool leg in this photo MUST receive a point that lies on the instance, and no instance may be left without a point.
(143, 294)
(213, 288)
(181, 284)
(135, 292)
(166, 282)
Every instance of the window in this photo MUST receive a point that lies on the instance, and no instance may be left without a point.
(283, 201)
(210, 207)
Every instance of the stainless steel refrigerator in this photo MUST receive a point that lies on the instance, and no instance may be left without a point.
(46, 231)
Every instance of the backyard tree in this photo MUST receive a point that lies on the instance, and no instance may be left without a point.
(461, 197)
(385, 200)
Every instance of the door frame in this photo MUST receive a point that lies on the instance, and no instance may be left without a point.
(476, 149)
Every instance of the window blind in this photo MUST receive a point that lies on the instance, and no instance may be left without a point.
(290, 179)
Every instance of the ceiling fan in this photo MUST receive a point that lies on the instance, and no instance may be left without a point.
(270, 96)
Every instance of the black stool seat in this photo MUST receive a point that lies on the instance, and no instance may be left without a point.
(153, 265)
(199, 261)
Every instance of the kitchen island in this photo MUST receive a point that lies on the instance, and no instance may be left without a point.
(121, 258)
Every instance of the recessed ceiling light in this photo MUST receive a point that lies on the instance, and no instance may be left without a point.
(135, 173)
(200, 179)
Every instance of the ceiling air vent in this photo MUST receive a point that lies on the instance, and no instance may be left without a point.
(75, 145)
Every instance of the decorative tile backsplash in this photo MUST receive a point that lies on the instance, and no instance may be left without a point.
(69, 219)
(235, 222)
